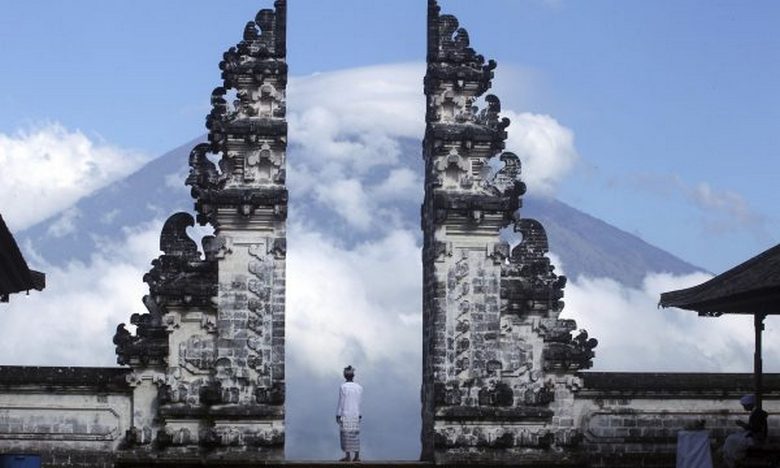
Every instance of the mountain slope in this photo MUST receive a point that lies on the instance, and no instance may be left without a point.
(586, 245)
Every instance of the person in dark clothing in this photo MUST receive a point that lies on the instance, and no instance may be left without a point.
(757, 422)
(754, 432)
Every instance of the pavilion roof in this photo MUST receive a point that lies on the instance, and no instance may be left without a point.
(748, 288)
(15, 276)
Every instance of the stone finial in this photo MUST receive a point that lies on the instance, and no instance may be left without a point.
(450, 56)
(247, 127)
(203, 175)
(149, 345)
(174, 240)
(530, 284)
(180, 275)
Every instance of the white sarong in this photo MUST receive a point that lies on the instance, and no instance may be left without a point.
(350, 434)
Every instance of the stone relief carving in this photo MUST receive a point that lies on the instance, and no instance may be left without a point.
(198, 351)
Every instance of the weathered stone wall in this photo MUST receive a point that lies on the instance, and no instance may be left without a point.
(632, 419)
(70, 416)
(79, 417)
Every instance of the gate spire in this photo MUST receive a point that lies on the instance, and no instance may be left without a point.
(208, 357)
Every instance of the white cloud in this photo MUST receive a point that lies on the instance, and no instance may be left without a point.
(48, 168)
(176, 180)
(400, 184)
(65, 224)
(360, 100)
(349, 124)
(635, 335)
(347, 198)
(109, 216)
(353, 304)
(726, 209)
(545, 147)
(72, 321)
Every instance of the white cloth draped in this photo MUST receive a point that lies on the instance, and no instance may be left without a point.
(693, 449)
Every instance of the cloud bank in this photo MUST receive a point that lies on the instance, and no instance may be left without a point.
(545, 147)
(48, 168)
(358, 131)
(635, 335)
(73, 320)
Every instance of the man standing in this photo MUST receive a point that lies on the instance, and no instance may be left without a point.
(348, 415)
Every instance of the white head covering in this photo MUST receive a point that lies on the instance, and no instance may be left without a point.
(748, 400)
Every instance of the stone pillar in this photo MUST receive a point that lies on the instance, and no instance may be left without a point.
(496, 358)
(216, 322)
(246, 203)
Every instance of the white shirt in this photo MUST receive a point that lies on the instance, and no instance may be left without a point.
(349, 400)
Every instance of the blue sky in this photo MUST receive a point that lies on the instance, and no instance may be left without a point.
(658, 117)
(673, 105)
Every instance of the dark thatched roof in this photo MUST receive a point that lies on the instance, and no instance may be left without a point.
(752, 287)
(15, 276)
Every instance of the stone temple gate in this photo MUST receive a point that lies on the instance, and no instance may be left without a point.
(498, 363)
(208, 357)
(203, 380)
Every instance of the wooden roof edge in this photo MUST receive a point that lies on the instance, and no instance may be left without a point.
(29, 279)
(687, 298)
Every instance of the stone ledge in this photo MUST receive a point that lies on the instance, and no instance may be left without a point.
(259, 411)
(624, 385)
(98, 379)
(191, 463)
(467, 131)
(482, 413)
(474, 201)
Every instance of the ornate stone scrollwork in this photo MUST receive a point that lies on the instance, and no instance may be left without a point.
(203, 175)
(530, 285)
(449, 43)
(506, 181)
(576, 353)
(496, 394)
(149, 345)
(178, 276)
(489, 116)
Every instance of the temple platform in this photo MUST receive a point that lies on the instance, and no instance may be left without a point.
(319, 464)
